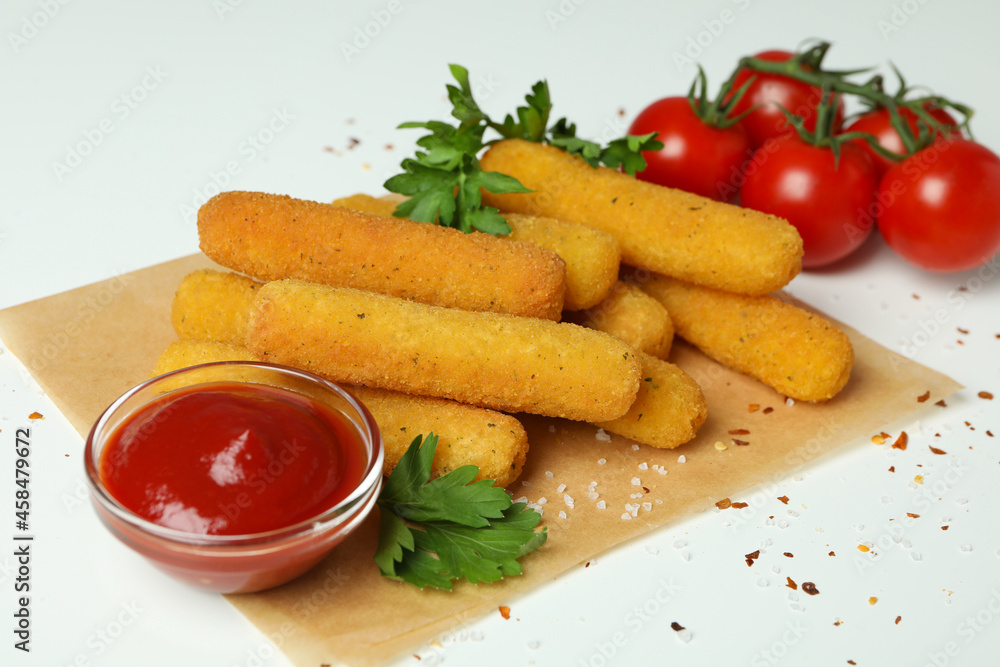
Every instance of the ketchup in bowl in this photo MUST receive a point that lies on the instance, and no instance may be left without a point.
(236, 476)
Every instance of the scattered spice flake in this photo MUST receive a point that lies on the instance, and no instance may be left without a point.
(783, 499)
(944, 527)
(942, 403)
(916, 296)
(36, 415)
(863, 548)
(505, 612)
(831, 554)
(739, 431)
(791, 584)
(676, 627)
(919, 479)
(912, 515)
(892, 468)
(939, 452)
(962, 331)
(768, 411)
(740, 443)
(924, 396)
(985, 394)
(851, 662)
(751, 557)
(872, 600)
(723, 504)
(789, 554)
(989, 433)
(809, 588)
(960, 342)
(755, 407)
(738, 506)
(898, 619)
(352, 142)
(838, 622)
(901, 441)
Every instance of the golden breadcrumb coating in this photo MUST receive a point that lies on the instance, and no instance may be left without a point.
(213, 305)
(660, 229)
(591, 255)
(668, 411)
(632, 315)
(270, 237)
(796, 352)
(509, 363)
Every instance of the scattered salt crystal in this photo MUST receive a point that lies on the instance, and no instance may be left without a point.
(789, 401)
(635, 448)
(593, 495)
(560, 488)
(562, 515)
(762, 583)
(526, 483)
(602, 435)
(552, 428)
(685, 555)
(626, 516)
(643, 466)
(684, 636)
(680, 544)
(782, 524)
(647, 506)
(916, 556)
(682, 459)
(658, 501)
(534, 644)
(601, 462)
(775, 569)
(961, 501)
(663, 471)
(543, 500)
(795, 606)
(965, 547)
(636, 481)
(793, 513)
(522, 499)
(635, 496)
(601, 504)
(653, 551)
(568, 499)
(548, 473)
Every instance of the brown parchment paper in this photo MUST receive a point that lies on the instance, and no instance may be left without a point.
(87, 346)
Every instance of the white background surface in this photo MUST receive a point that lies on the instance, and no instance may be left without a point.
(200, 79)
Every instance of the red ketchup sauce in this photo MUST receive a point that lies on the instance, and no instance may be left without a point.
(229, 458)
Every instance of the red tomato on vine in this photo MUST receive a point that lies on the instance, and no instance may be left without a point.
(878, 124)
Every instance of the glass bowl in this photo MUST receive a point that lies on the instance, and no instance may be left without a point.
(248, 562)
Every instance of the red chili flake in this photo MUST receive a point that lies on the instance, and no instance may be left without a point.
(505, 612)
(740, 443)
(791, 584)
(851, 662)
(809, 588)
(898, 619)
(939, 452)
(961, 330)
(789, 554)
(352, 142)
(892, 468)
(586, 565)
(960, 342)
(751, 557)
(916, 296)
(985, 394)
(831, 554)
(389, 147)
(901, 441)
(944, 527)
(942, 403)
(328, 149)
(36, 415)
(783, 499)
(675, 626)
(723, 504)
(912, 515)
(738, 506)
(739, 431)
(754, 407)
(989, 433)
(645, 489)
(768, 411)
(924, 396)
(838, 622)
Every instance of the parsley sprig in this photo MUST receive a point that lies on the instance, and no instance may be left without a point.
(435, 531)
(443, 181)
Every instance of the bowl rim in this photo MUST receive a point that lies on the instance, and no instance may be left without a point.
(322, 522)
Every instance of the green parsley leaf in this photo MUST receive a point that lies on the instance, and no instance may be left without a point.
(435, 531)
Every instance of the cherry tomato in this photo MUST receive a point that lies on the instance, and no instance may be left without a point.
(696, 156)
(941, 206)
(877, 124)
(770, 90)
(828, 203)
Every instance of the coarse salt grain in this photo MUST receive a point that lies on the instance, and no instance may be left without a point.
(548, 473)
(636, 481)
(635, 448)
(560, 488)
(648, 506)
(593, 495)
(663, 471)
(601, 504)
(602, 435)
(601, 462)
(789, 401)
(526, 483)
(568, 499)
(562, 515)
(626, 516)
(643, 466)
(543, 500)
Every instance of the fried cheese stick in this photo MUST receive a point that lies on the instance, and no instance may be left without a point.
(632, 315)
(796, 352)
(668, 411)
(515, 364)
(660, 229)
(494, 442)
(270, 237)
(591, 255)
(213, 305)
